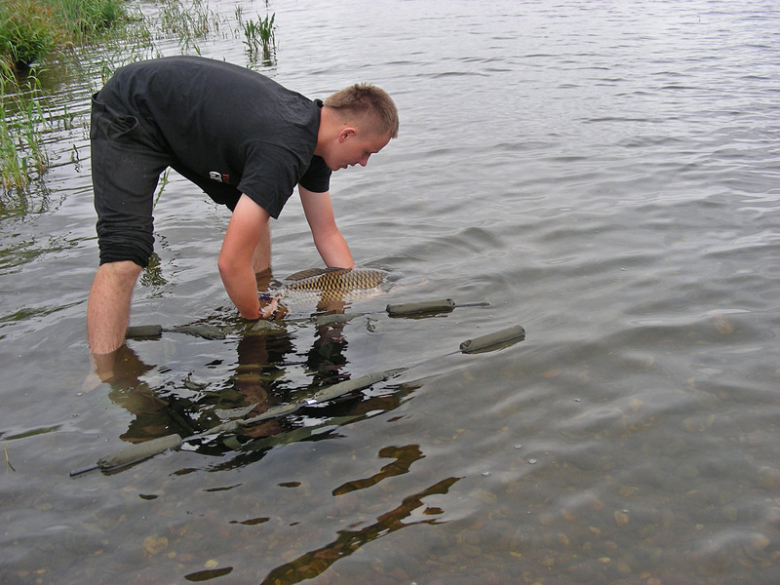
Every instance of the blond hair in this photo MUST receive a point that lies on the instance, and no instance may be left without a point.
(367, 102)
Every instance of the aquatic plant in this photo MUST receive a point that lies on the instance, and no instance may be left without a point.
(88, 18)
(190, 22)
(161, 188)
(21, 141)
(152, 276)
(28, 31)
(31, 29)
(260, 37)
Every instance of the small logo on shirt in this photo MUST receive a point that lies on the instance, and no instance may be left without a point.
(219, 177)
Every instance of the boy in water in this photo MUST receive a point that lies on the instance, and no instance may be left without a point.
(242, 138)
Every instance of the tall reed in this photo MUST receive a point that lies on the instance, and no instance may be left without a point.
(28, 31)
(190, 21)
(21, 141)
(31, 29)
(260, 38)
(89, 18)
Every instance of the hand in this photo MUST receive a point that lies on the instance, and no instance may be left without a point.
(268, 311)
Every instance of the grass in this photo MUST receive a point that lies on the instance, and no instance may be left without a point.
(28, 31)
(260, 38)
(21, 141)
(85, 19)
(191, 21)
(32, 30)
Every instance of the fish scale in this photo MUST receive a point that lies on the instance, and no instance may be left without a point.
(332, 284)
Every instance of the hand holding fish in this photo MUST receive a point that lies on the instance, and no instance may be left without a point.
(267, 312)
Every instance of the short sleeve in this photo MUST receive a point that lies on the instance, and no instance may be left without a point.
(317, 176)
(270, 176)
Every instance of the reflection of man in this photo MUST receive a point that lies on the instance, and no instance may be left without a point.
(268, 373)
(246, 141)
(259, 379)
(153, 415)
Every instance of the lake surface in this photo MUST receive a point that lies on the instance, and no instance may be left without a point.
(605, 174)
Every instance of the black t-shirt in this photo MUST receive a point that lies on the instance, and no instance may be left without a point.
(230, 130)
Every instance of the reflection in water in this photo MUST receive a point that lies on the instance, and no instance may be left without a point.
(266, 375)
(316, 562)
(154, 416)
(326, 359)
(312, 424)
(404, 457)
(24, 202)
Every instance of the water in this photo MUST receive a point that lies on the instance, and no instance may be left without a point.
(605, 174)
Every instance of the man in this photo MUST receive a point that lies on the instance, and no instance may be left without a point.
(246, 141)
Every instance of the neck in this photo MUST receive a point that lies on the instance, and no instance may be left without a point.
(328, 130)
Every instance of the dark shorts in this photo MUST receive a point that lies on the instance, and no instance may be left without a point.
(127, 160)
(128, 156)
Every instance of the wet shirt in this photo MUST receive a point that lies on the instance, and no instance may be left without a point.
(229, 129)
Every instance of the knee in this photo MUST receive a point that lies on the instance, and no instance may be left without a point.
(118, 275)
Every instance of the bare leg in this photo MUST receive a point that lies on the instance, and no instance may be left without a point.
(108, 310)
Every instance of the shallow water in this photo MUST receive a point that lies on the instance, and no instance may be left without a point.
(604, 174)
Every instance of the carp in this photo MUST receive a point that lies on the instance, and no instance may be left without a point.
(332, 286)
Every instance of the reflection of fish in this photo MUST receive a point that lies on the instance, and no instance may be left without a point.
(330, 285)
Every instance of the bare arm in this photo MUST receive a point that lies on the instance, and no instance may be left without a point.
(327, 237)
(244, 231)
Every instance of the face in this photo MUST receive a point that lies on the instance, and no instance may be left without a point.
(354, 147)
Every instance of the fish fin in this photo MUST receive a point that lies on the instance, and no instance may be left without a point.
(310, 272)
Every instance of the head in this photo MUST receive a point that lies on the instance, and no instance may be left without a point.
(356, 122)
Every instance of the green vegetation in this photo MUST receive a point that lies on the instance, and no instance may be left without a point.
(28, 31)
(32, 30)
(260, 38)
(21, 142)
(190, 22)
(85, 19)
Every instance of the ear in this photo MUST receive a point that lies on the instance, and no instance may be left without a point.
(346, 132)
